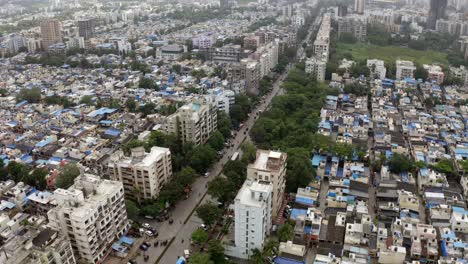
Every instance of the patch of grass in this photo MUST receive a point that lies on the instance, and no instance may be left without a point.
(362, 51)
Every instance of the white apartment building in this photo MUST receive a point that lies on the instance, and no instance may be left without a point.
(194, 122)
(404, 69)
(322, 41)
(91, 213)
(317, 67)
(146, 172)
(223, 98)
(377, 68)
(460, 73)
(252, 220)
(359, 6)
(270, 167)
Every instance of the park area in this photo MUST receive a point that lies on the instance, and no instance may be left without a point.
(363, 51)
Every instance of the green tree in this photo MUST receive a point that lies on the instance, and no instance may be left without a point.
(131, 105)
(216, 251)
(208, 213)
(256, 257)
(300, 172)
(153, 209)
(199, 236)
(399, 163)
(200, 258)
(286, 232)
(176, 68)
(133, 211)
(32, 95)
(420, 72)
(444, 166)
(249, 152)
(357, 89)
(17, 171)
(147, 109)
(87, 100)
(37, 178)
(202, 158)
(148, 83)
(222, 189)
(224, 124)
(216, 141)
(3, 171)
(67, 176)
(198, 74)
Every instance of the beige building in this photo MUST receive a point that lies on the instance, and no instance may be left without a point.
(92, 215)
(270, 166)
(142, 174)
(51, 32)
(404, 69)
(194, 122)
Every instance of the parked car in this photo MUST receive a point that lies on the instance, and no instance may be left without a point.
(204, 227)
(149, 233)
(146, 225)
(206, 175)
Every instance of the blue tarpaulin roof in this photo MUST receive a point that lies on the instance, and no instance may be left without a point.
(112, 132)
(297, 212)
(282, 260)
(181, 260)
(304, 200)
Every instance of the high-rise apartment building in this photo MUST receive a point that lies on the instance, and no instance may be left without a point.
(86, 28)
(359, 6)
(355, 25)
(377, 68)
(436, 11)
(194, 122)
(404, 69)
(145, 172)
(91, 213)
(270, 167)
(50, 32)
(253, 218)
(317, 67)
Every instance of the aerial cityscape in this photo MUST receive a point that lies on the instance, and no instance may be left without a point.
(233, 131)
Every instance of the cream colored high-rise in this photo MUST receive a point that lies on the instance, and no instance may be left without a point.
(142, 174)
(270, 167)
(194, 122)
(92, 215)
(51, 32)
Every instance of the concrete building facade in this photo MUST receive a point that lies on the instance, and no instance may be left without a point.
(270, 167)
(194, 122)
(92, 215)
(142, 171)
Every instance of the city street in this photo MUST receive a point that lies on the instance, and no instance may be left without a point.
(185, 220)
(183, 226)
(185, 231)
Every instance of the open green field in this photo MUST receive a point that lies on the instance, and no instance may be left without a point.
(362, 51)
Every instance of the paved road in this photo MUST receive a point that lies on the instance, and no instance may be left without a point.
(184, 221)
(177, 247)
